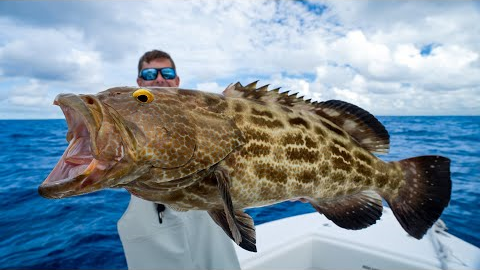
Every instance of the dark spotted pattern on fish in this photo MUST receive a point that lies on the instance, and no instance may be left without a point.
(246, 148)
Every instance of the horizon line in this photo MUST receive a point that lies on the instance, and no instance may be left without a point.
(389, 115)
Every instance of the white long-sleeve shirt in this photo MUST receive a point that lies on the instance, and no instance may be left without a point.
(184, 240)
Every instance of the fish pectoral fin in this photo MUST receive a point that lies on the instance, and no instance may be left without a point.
(223, 182)
(353, 212)
(237, 224)
(177, 209)
(241, 224)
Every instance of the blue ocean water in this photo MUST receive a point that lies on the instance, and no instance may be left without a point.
(80, 232)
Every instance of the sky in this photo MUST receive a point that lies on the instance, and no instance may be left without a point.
(388, 57)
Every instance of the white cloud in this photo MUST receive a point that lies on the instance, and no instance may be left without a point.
(31, 95)
(368, 53)
(288, 84)
(48, 54)
(441, 59)
(356, 50)
(211, 87)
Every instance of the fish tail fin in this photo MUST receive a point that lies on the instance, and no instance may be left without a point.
(421, 200)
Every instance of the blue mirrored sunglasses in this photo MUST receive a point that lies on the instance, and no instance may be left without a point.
(150, 74)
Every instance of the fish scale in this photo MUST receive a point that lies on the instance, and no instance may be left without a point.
(291, 166)
(249, 147)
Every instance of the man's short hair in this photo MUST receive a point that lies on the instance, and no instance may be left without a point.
(152, 55)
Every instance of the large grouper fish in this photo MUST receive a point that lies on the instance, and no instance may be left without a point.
(249, 147)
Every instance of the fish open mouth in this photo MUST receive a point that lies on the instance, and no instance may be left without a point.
(78, 169)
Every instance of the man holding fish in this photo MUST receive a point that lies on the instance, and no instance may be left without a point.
(224, 153)
(157, 237)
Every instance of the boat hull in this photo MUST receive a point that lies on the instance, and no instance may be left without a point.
(311, 241)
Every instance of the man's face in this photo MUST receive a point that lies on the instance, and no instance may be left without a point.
(159, 81)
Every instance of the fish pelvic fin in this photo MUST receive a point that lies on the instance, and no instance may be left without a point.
(237, 224)
(353, 212)
(243, 224)
(420, 202)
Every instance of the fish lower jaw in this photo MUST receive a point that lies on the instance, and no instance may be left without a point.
(73, 176)
(78, 160)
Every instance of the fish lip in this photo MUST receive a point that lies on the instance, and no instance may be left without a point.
(59, 184)
(60, 188)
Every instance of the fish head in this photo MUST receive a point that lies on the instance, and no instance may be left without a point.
(115, 137)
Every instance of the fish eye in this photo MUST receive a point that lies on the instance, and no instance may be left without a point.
(143, 95)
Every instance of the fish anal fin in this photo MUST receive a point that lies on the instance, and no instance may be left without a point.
(353, 212)
(237, 224)
(358, 123)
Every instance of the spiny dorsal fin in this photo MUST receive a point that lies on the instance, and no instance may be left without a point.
(262, 94)
(252, 85)
(358, 123)
(234, 90)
